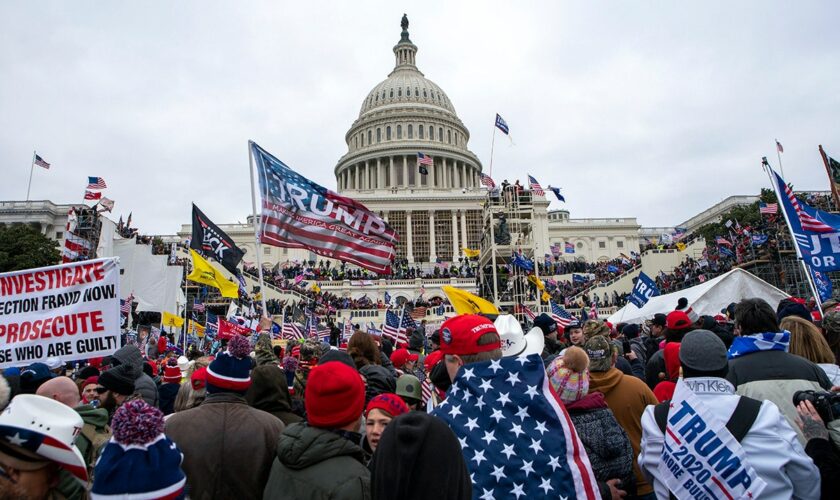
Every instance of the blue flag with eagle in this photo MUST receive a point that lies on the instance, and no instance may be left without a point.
(516, 436)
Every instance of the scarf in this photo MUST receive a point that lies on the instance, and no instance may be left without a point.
(741, 346)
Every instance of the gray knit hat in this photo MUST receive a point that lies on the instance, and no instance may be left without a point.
(704, 351)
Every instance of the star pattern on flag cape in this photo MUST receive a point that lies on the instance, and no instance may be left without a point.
(516, 441)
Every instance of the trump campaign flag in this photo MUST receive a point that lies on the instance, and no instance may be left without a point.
(208, 238)
(517, 439)
(643, 290)
(298, 213)
(817, 233)
(71, 311)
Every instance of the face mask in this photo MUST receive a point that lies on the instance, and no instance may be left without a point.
(440, 377)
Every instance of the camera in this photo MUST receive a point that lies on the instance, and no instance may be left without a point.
(827, 404)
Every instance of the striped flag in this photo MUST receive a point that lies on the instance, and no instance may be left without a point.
(426, 389)
(418, 313)
(318, 219)
(560, 315)
(523, 309)
(291, 331)
(75, 248)
(393, 328)
(487, 181)
(96, 183)
(808, 222)
(779, 147)
(125, 305)
(723, 241)
(198, 306)
(768, 208)
(535, 186)
(41, 163)
(90, 195)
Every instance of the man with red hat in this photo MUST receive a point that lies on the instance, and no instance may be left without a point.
(677, 324)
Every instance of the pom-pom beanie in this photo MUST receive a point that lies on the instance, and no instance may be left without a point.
(231, 370)
(171, 372)
(569, 375)
(139, 461)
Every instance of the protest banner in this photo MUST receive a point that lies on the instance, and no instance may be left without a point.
(227, 329)
(71, 311)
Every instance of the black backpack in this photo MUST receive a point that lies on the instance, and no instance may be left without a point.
(739, 423)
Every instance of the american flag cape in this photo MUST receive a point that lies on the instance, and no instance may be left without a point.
(517, 438)
(298, 213)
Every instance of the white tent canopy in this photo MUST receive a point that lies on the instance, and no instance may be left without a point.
(706, 298)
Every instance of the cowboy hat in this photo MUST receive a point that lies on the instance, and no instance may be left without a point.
(514, 340)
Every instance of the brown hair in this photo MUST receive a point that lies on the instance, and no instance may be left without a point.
(806, 340)
(364, 351)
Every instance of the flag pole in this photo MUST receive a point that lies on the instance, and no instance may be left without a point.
(256, 227)
(31, 171)
(779, 156)
(834, 193)
(492, 144)
(766, 165)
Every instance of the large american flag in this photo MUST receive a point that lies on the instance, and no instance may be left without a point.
(423, 159)
(41, 163)
(96, 183)
(298, 213)
(393, 328)
(535, 186)
(517, 438)
(291, 331)
(486, 180)
(768, 208)
(418, 313)
(807, 221)
(560, 315)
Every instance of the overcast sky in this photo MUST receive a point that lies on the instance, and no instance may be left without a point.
(649, 109)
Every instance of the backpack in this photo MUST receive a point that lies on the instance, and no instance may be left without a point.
(96, 442)
(739, 423)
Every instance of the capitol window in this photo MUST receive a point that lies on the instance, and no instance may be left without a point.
(416, 92)
(602, 244)
(399, 131)
(370, 136)
(399, 92)
(431, 133)
(449, 136)
(388, 133)
(357, 141)
(424, 93)
(619, 244)
(363, 139)
(410, 132)
(392, 93)
(420, 131)
(440, 134)
(378, 135)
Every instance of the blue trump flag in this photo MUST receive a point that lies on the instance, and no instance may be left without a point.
(579, 278)
(817, 233)
(520, 260)
(824, 287)
(759, 239)
(502, 125)
(643, 290)
(556, 192)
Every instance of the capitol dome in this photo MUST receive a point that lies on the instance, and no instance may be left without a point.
(403, 116)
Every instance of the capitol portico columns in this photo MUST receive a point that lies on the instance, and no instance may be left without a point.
(432, 251)
(409, 244)
(455, 251)
(380, 174)
(463, 231)
(405, 172)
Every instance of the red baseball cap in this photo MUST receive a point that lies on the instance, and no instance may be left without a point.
(459, 335)
(432, 359)
(677, 320)
(401, 356)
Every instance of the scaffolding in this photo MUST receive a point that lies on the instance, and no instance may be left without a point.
(508, 227)
(87, 228)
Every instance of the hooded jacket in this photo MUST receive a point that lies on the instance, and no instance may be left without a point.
(419, 457)
(606, 443)
(770, 446)
(378, 380)
(269, 392)
(317, 463)
(227, 445)
(627, 397)
(774, 376)
(144, 385)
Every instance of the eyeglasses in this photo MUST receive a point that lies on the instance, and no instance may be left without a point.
(101, 390)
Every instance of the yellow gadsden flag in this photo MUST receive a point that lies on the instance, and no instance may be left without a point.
(172, 320)
(681, 246)
(466, 303)
(536, 281)
(471, 254)
(204, 272)
(195, 328)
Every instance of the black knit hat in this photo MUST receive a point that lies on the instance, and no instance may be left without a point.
(119, 379)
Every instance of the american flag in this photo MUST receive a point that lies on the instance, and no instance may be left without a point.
(426, 389)
(291, 331)
(512, 426)
(198, 306)
(90, 195)
(418, 313)
(318, 219)
(559, 315)
(523, 309)
(347, 331)
(768, 208)
(723, 241)
(779, 147)
(807, 221)
(393, 328)
(75, 248)
(423, 159)
(535, 186)
(96, 183)
(211, 324)
(315, 330)
(125, 305)
(41, 163)
(486, 180)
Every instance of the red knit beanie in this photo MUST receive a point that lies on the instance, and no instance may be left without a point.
(335, 395)
(391, 404)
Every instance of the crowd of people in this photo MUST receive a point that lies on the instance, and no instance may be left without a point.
(258, 418)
